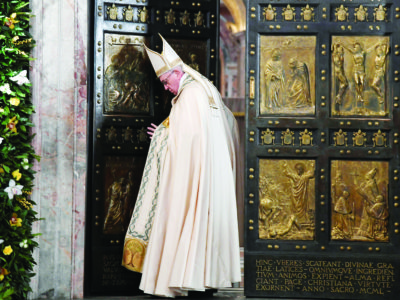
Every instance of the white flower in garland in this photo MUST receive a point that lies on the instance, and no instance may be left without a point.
(1, 140)
(25, 163)
(24, 244)
(5, 89)
(20, 79)
(13, 189)
(1, 241)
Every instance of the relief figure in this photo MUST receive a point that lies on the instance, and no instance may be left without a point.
(128, 199)
(120, 199)
(378, 81)
(300, 182)
(193, 62)
(275, 222)
(287, 200)
(298, 86)
(125, 84)
(359, 211)
(343, 228)
(358, 70)
(379, 214)
(369, 190)
(287, 75)
(341, 82)
(275, 80)
(114, 215)
(359, 75)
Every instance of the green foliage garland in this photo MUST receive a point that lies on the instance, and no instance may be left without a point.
(16, 153)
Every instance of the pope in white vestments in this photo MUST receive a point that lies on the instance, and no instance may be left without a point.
(183, 234)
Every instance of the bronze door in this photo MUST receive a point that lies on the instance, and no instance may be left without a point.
(322, 188)
(125, 97)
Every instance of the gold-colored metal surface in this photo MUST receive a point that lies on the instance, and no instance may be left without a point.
(199, 19)
(359, 193)
(126, 78)
(359, 75)
(287, 75)
(185, 18)
(269, 13)
(379, 139)
(287, 199)
(288, 137)
(340, 138)
(128, 13)
(170, 17)
(361, 14)
(289, 13)
(306, 138)
(380, 13)
(307, 13)
(120, 190)
(143, 15)
(111, 135)
(112, 12)
(359, 138)
(342, 14)
(267, 137)
(252, 87)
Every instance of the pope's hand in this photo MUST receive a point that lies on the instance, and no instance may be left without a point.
(151, 129)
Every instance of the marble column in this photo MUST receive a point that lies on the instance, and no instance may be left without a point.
(59, 90)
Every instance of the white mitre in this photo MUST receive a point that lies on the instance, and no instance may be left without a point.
(167, 60)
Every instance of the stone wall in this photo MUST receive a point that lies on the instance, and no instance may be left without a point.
(59, 93)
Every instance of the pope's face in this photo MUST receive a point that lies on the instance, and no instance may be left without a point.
(170, 80)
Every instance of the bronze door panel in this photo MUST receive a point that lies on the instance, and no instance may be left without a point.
(127, 75)
(287, 203)
(124, 98)
(287, 78)
(359, 200)
(322, 209)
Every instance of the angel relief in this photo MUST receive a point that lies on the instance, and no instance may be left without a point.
(359, 191)
(287, 75)
(287, 203)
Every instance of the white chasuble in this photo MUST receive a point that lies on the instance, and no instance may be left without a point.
(194, 242)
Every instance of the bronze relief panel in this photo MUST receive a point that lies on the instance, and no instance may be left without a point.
(192, 52)
(287, 199)
(127, 75)
(359, 200)
(359, 75)
(121, 185)
(287, 75)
